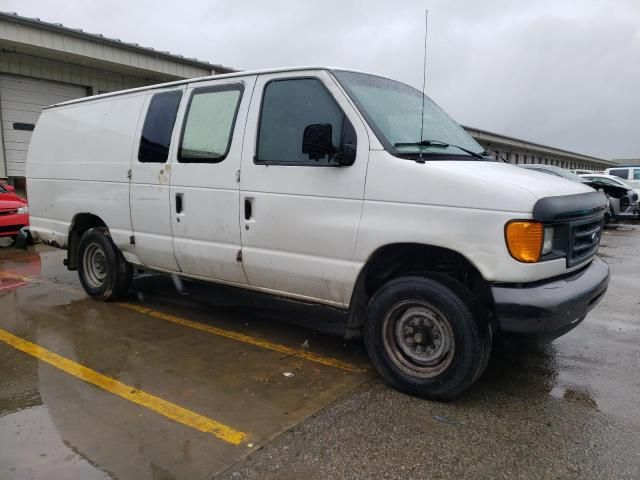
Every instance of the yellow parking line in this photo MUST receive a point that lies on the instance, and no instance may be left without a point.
(258, 342)
(313, 357)
(158, 405)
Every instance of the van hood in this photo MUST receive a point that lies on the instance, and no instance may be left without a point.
(538, 184)
(471, 184)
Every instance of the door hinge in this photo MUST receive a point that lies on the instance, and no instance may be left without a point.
(129, 174)
(238, 176)
(239, 256)
(132, 240)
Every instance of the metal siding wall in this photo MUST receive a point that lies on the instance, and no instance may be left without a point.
(46, 69)
(37, 37)
(21, 101)
(33, 68)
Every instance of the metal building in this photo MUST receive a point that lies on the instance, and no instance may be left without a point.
(518, 151)
(43, 63)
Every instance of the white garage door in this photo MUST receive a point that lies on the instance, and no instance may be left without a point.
(21, 100)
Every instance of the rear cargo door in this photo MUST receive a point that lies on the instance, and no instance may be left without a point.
(149, 186)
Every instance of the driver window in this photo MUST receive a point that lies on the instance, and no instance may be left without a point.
(288, 107)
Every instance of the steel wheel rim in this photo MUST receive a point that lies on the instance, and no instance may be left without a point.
(418, 338)
(95, 265)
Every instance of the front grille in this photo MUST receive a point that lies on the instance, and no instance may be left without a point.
(584, 240)
(8, 212)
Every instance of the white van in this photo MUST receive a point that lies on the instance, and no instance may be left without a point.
(317, 184)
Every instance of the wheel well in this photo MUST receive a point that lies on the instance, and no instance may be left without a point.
(396, 260)
(80, 224)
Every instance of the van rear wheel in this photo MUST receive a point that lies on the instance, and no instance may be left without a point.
(424, 338)
(103, 271)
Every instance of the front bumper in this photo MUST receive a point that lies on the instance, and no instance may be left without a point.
(552, 308)
(10, 225)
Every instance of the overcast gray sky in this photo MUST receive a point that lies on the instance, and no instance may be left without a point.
(560, 72)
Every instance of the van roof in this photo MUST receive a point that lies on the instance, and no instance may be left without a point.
(196, 79)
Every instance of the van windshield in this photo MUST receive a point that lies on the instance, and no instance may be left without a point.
(393, 110)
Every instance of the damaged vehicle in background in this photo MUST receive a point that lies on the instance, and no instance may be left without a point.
(627, 206)
(623, 199)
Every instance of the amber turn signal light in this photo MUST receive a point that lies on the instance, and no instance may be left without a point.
(524, 240)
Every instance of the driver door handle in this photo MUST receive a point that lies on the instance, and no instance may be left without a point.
(248, 208)
(179, 203)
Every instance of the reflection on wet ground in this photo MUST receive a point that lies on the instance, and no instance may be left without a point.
(569, 409)
(238, 382)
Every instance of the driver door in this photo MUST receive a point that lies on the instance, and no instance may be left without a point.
(300, 213)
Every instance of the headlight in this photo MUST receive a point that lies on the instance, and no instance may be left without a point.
(525, 240)
(547, 243)
(23, 210)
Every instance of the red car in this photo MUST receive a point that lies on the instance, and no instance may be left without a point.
(14, 212)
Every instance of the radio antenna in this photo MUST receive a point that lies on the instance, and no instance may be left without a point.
(424, 76)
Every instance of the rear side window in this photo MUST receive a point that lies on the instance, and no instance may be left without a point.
(208, 127)
(288, 106)
(606, 181)
(636, 174)
(158, 126)
(620, 172)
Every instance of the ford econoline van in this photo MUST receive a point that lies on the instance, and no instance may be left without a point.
(328, 186)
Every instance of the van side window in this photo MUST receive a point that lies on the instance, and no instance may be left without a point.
(208, 127)
(636, 173)
(620, 172)
(158, 126)
(288, 107)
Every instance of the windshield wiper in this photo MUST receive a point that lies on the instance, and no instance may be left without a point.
(439, 144)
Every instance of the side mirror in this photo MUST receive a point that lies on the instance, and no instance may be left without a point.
(10, 188)
(317, 141)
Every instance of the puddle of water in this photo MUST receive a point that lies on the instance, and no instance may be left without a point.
(32, 448)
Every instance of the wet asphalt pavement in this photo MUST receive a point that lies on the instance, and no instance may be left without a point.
(569, 409)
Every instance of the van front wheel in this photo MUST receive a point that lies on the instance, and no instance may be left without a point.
(424, 338)
(103, 271)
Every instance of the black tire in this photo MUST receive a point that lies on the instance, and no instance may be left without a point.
(406, 311)
(104, 273)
